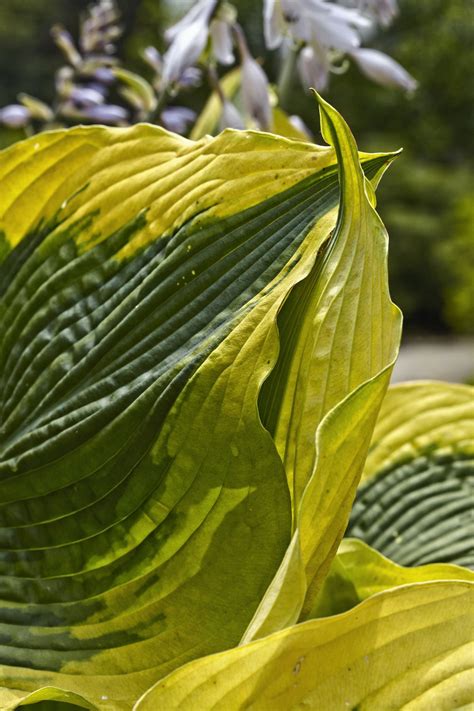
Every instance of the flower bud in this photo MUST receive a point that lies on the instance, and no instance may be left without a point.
(106, 113)
(221, 39)
(177, 118)
(255, 92)
(230, 117)
(382, 69)
(184, 51)
(86, 96)
(15, 116)
(313, 69)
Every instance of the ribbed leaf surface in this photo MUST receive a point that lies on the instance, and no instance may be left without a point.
(415, 503)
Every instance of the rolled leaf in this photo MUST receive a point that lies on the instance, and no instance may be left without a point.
(415, 501)
(321, 400)
(408, 648)
(144, 507)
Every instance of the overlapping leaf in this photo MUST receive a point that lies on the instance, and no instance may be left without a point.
(358, 571)
(415, 502)
(144, 506)
(406, 648)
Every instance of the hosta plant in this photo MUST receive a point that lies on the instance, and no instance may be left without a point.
(196, 339)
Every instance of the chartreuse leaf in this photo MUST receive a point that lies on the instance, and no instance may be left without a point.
(358, 571)
(406, 648)
(144, 507)
(46, 699)
(415, 502)
(321, 400)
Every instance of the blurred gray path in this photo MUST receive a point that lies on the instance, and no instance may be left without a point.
(436, 359)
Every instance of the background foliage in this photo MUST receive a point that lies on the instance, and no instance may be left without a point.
(426, 198)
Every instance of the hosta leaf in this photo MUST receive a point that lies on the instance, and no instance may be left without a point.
(406, 648)
(321, 400)
(415, 502)
(358, 571)
(144, 508)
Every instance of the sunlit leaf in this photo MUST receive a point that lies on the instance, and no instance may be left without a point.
(322, 398)
(358, 571)
(407, 648)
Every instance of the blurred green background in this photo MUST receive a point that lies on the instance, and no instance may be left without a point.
(426, 200)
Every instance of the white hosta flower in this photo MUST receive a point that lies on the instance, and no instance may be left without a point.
(184, 50)
(15, 116)
(273, 23)
(230, 116)
(254, 83)
(332, 26)
(221, 38)
(313, 68)
(200, 11)
(255, 92)
(381, 68)
(188, 38)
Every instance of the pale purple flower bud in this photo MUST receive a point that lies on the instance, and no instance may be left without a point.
(15, 116)
(86, 96)
(230, 117)
(184, 50)
(273, 23)
(381, 68)
(221, 39)
(177, 118)
(104, 75)
(313, 68)
(191, 77)
(107, 113)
